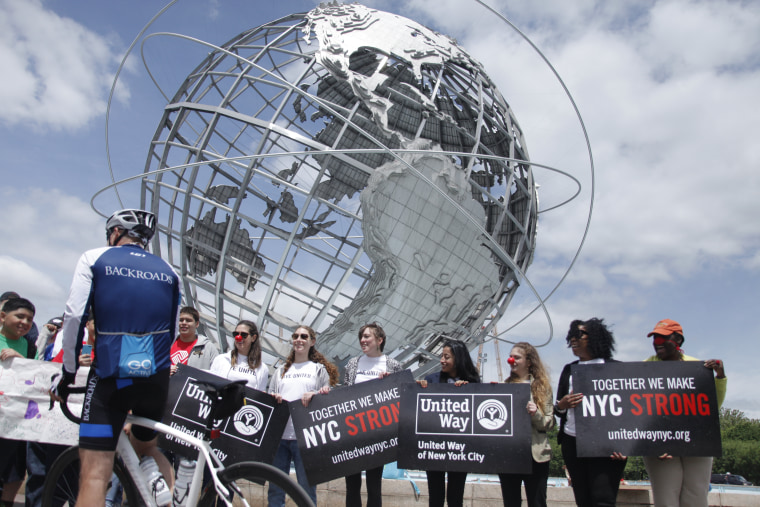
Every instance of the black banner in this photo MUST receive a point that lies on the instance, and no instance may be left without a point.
(350, 429)
(481, 428)
(252, 434)
(646, 409)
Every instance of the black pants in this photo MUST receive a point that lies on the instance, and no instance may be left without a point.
(535, 486)
(374, 488)
(595, 480)
(438, 490)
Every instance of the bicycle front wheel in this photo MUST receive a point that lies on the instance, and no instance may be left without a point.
(250, 482)
(62, 482)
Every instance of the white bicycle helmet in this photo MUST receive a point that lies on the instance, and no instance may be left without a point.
(136, 223)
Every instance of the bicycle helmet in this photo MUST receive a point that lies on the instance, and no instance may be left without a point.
(136, 223)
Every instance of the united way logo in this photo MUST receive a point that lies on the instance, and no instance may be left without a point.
(248, 420)
(492, 414)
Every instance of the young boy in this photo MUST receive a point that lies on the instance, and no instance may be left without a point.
(190, 348)
(16, 318)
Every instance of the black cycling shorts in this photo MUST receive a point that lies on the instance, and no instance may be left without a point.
(107, 402)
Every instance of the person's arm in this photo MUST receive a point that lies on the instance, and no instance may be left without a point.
(562, 389)
(219, 366)
(350, 374)
(322, 385)
(543, 418)
(76, 309)
(721, 381)
(275, 386)
(393, 365)
(211, 350)
(323, 378)
(74, 323)
(262, 377)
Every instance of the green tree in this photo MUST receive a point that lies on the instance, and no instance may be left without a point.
(740, 438)
(556, 464)
(730, 417)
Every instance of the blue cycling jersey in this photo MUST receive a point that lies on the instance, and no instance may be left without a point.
(135, 297)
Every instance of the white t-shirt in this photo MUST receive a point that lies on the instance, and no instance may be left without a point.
(256, 379)
(570, 421)
(370, 368)
(299, 379)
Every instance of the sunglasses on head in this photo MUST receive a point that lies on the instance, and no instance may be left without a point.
(303, 336)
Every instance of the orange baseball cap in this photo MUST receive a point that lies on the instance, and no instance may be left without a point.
(667, 327)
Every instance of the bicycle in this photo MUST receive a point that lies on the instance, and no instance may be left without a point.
(241, 484)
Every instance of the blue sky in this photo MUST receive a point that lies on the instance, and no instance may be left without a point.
(668, 91)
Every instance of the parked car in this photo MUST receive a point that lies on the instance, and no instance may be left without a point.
(736, 480)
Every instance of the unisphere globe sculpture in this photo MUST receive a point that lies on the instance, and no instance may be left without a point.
(341, 167)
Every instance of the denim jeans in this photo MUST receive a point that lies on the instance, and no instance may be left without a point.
(39, 459)
(287, 452)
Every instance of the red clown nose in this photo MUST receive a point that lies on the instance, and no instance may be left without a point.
(239, 338)
(511, 360)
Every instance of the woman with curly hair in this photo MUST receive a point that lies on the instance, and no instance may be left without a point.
(373, 364)
(305, 373)
(527, 367)
(456, 368)
(595, 481)
(243, 362)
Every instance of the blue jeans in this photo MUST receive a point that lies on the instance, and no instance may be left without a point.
(39, 459)
(287, 452)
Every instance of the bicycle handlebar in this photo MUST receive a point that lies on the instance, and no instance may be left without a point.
(64, 402)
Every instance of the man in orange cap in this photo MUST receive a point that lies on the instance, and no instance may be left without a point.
(680, 481)
(668, 338)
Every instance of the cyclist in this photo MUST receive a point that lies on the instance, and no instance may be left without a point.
(135, 297)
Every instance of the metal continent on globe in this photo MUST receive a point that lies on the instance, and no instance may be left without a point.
(340, 167)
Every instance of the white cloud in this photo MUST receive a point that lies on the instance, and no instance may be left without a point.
(36, 285)
(213, 9)
(61, 71)
(49, 228)
(45, 232)
(675, 165)
(703, 34)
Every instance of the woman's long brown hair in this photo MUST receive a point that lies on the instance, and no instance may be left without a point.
(540, 388)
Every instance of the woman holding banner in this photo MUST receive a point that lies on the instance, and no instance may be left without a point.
(456, 368)
(305, 373)
(527, 367)
(371, 365)
(595, 481)
(680, 481)
(243, 362)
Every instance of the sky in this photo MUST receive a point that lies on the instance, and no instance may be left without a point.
(668, 92)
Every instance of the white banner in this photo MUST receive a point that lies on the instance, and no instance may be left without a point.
(25, 403)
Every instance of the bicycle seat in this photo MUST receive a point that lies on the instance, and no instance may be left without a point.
(226, 397)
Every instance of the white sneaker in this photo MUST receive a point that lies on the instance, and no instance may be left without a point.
(160, 491)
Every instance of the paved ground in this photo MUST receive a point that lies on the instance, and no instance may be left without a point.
(401, 493)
